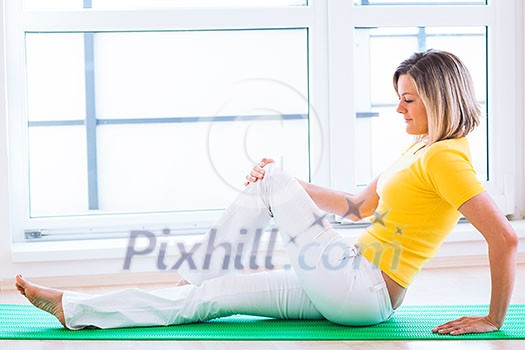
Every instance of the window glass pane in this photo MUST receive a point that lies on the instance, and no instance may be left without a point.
(55, 77)
(189, 166)
(420, 2)
(181, 74)
(57, 170)
(381, 132)
(179, 117)
(149, 4)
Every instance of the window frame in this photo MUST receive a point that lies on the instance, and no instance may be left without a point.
(19, 21)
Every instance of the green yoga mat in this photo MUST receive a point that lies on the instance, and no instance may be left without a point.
(409, 323)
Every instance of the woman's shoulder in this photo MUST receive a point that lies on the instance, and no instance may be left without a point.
(458, 144)
(445, 149)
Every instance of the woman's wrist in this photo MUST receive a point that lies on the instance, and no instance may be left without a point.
(496, 322)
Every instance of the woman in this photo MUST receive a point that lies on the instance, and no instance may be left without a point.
(415, 203)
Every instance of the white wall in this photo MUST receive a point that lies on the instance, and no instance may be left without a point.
(5, 256)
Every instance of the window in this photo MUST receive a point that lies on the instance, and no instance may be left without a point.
(165, 115)
(147, 114)
(132, 116)
(378, 132)
(368, 42)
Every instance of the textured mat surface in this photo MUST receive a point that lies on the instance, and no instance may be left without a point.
(409, 322)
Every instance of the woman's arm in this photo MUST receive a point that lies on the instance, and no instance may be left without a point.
(350, 206)
(502, 241)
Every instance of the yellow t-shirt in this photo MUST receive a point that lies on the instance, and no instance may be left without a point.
(418, 200)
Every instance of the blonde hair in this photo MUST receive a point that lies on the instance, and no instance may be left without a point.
(445, 86)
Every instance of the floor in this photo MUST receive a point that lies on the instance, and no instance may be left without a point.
(468, 285)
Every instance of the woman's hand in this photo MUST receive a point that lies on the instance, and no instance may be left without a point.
(257, 172)
(463, 325)
(482, 212)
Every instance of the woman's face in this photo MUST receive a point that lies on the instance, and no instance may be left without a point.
(412, 107)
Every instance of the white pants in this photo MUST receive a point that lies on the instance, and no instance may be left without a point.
(329, 278)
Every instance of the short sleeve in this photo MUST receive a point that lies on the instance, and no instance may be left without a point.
(451, 174)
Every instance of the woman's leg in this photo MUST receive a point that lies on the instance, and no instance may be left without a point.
(273, 294)
(227, 245)
(345, 288)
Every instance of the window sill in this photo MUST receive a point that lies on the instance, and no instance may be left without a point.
(464, 247)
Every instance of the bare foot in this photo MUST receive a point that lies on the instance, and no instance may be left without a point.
(47, 299)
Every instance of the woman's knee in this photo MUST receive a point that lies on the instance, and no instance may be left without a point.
(275, 176)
